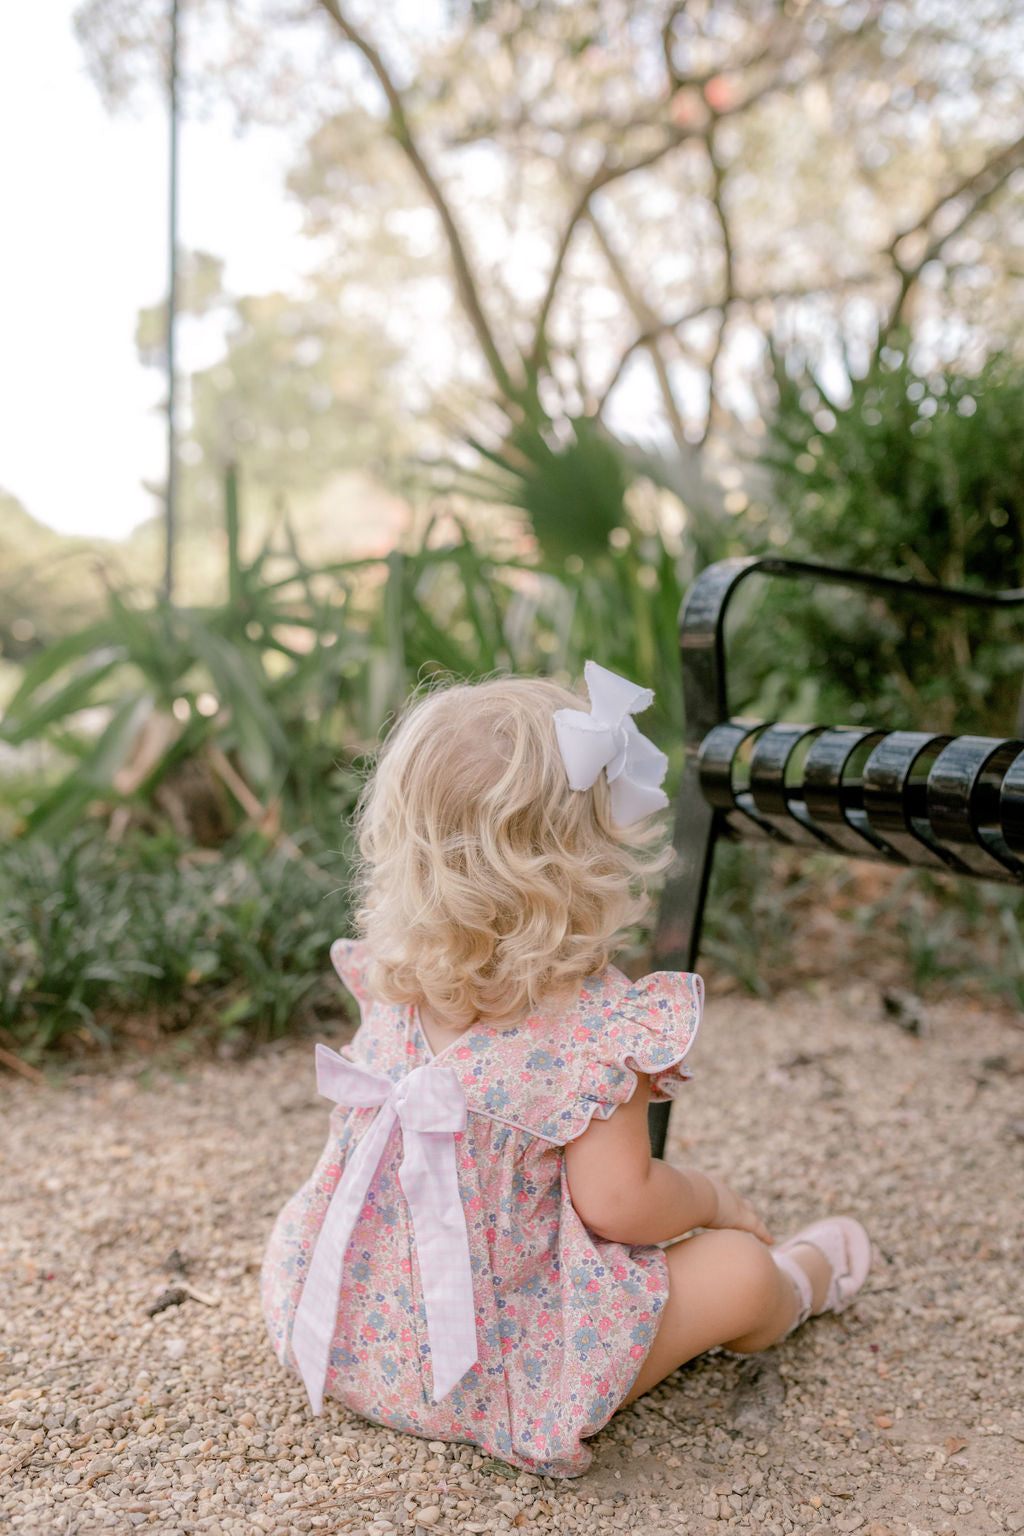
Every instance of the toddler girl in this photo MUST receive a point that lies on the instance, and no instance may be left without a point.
(476, 1255)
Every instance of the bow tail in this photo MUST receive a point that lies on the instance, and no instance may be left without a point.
(316, 1315)
(442, 1248)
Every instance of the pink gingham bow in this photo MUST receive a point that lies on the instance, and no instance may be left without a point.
(430, 1106)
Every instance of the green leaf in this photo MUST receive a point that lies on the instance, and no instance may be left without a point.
(74, 695)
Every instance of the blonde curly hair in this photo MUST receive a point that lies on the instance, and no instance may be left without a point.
(485, 883)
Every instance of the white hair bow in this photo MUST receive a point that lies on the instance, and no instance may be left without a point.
(607, 738)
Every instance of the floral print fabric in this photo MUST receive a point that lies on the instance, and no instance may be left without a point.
(565, 1319)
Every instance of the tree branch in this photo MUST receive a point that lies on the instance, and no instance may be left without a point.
(984, 183)
(645, 338)
(465, 281)
(676, 323)
(644, 315)
(602, 177)
(729, 274)
(606, 174)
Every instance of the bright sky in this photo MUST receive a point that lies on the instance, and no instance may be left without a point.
(84, 247)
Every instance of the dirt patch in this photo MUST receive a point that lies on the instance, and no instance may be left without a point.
(904, 1415)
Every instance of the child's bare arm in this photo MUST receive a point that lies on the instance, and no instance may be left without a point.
(620, 1192)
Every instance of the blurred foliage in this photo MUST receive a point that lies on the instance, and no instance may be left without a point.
(212, 715)
(245, 725)
(919, 475)
(251, 712)
(105, 941)
(597, 209)
(303, 389)
(242, 727)
(49, 582)
(783, 917)
(572, 491)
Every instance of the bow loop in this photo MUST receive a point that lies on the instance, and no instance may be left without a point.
(346, 1082)
(608, 738)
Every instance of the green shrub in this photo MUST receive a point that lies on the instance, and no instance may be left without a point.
(919, 474)
(98, 935)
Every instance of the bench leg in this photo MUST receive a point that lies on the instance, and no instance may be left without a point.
(681, 914)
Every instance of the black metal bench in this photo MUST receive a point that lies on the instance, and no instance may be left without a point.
(914, 798)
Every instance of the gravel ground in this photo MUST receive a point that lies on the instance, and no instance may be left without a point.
(903, 1416)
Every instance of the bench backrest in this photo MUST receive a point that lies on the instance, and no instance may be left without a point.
(918, 798)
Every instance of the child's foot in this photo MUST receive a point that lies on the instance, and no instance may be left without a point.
(827, 1262)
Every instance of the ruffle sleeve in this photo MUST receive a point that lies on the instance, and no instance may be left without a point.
(348, 956)
(648, 1027)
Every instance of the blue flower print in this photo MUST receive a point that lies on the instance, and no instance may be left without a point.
(497, 1098)
(586, 1338)
(533, 1369)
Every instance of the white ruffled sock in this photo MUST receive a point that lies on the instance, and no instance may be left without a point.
(801, 1284)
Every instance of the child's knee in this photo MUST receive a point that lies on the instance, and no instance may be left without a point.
(749, 1272)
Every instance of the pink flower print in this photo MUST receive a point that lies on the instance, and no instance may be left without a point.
(463, 1052)
(637, 1351)
(593, 1285)
(581, 1032)
(603, 1387)
(468, 1161)
(603, 1324)
(653, 1283)
(619, 1271)
(476, 1204)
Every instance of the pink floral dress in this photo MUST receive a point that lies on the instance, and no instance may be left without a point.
(564, 1319)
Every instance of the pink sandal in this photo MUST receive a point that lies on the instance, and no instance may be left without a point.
(846, 1247)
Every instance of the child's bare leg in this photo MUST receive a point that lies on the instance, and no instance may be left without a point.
(724, 1288)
